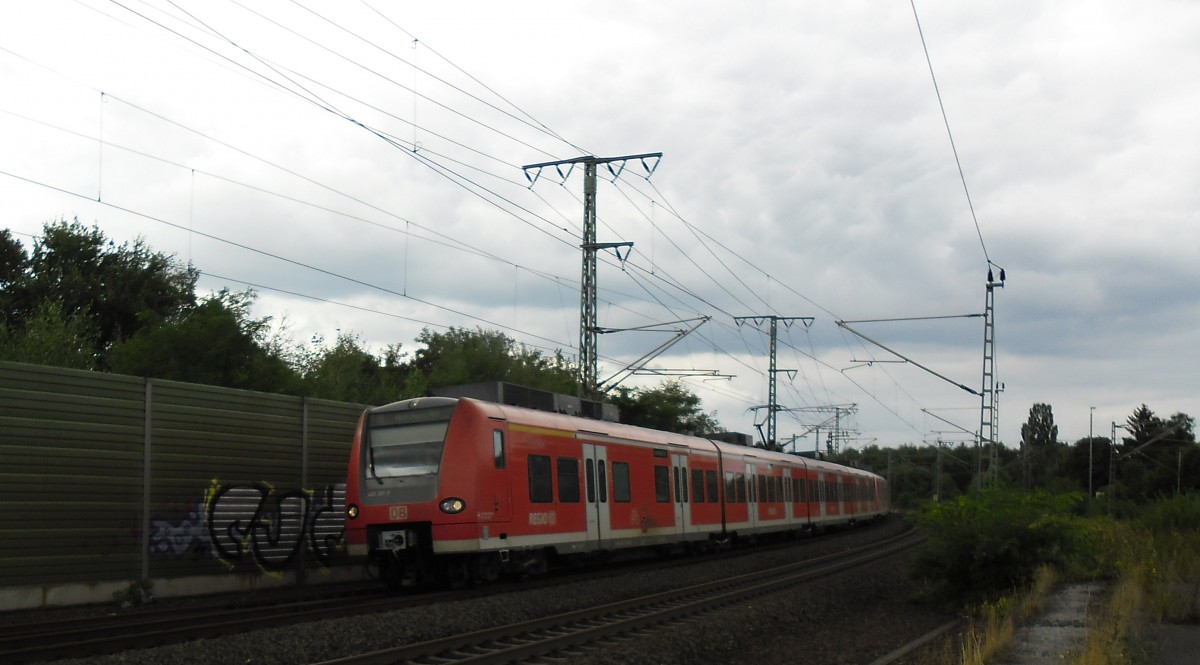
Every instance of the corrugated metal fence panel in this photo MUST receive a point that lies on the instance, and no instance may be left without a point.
(70, 475)
(330, 433)
(234, 486)
(226, 455)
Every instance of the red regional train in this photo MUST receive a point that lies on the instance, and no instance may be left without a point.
(462, 490)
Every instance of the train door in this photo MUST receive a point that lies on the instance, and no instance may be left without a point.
(788, 497)
(679, 478)
(822, 506)
(595, 475)
(752, 497)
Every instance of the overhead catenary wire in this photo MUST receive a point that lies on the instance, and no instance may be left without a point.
(277, 257)
(483, 85)
(437, 237)
(710, 245)
(946, 120)
(320, 102)
(535, 125)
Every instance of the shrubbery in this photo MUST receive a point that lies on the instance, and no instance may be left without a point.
(984, 545)
(1177, 514)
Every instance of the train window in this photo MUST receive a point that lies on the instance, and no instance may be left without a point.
(741, 488)
(762, 489)
(786, 495)
(710, 479)
(541, 485)
(603, 484)
(676, 473)
(620, 471)
(406, 443)
(498, 447)
(589, 471)
(730, 487)
(662, 484)
(779, 487)
(683, 491)
(568, 480)
(770, 487)
(698, 485)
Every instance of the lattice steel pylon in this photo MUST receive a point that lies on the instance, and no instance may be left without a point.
(773, 407)
(988, 412)
(588, 330)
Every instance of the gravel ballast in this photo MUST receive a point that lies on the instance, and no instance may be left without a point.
(846, 618)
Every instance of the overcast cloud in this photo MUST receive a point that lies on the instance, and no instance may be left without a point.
(806, 172)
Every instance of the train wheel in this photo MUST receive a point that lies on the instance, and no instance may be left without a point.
(391, 571)
(487, 568)
(458, 573)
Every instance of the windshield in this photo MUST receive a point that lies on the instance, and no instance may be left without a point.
(407, 443)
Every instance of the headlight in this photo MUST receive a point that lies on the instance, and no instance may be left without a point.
(452, 506)
(352, 511)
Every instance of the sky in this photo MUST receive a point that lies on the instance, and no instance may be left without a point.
(359, 166)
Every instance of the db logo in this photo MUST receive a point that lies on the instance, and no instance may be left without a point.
(397, 513)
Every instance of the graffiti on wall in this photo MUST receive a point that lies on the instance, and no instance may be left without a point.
(239, 523)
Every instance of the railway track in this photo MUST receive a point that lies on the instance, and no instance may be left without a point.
(112, 633)
(569, 634)
(91, 635)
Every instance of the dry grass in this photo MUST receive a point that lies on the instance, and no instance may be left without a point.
(1155, 575)
(991, 630)
(1158, 574)
(1114, 633)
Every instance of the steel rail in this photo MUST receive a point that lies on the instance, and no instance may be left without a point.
(576, 630)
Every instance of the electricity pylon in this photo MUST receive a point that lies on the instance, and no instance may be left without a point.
(587, 301)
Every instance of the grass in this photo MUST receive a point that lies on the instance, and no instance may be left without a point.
(1154, 576)
(992, 628)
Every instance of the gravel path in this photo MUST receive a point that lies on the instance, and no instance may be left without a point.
(847, 618)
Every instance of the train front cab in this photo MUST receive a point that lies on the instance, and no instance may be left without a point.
(406, 503)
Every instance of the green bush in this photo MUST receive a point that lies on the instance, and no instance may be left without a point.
(984, 545)
(1174, 515)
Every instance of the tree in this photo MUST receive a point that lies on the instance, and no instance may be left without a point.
(216, 342)
(1039, 445)
(1074, 463)
(350, 373)
(460, 356)
(670, 407)
(12, 260)
(112, 287)
(1151, 460)
(50, 338)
